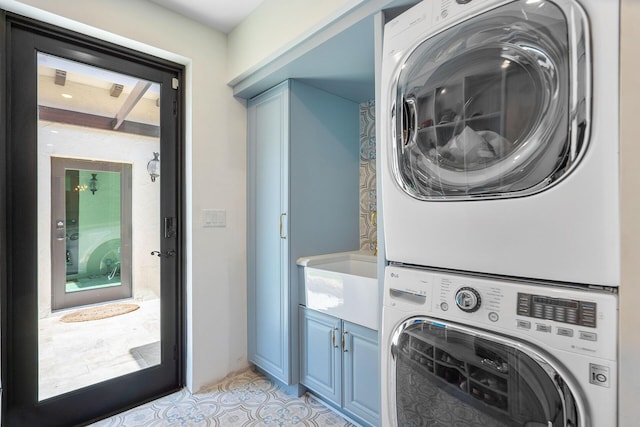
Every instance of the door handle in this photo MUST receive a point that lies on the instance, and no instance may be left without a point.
(344, 347)
(408, 121)
(333, 337)
(165, 254)
(281, 216)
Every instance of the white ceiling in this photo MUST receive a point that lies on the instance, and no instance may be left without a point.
(223, 15)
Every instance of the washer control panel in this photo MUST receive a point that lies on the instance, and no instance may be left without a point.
(570, 319)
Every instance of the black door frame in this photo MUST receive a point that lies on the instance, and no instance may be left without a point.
(18, 224)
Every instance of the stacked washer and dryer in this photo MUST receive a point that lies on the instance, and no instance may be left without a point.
(499, 135)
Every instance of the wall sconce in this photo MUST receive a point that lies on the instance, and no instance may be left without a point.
(93, 183)
(153, 167)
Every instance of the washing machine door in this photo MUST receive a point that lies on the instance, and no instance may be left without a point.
(495, 106)
(443, 374)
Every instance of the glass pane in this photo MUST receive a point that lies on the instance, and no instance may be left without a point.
(445, 377)
(93, 230)
(482, 108)
(98, 222)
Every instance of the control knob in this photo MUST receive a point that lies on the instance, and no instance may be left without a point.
(468, 299)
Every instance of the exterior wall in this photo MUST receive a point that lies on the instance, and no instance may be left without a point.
(629, 374)
(215, 166)
(274, 27)
(69, 141)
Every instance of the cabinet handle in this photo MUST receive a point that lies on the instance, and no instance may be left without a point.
(282, 215)
(333, 337)
(344, 347)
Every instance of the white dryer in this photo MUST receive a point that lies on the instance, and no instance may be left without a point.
(500, 138)
(480, 352)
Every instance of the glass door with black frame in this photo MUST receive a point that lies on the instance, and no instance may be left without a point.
(92, 314)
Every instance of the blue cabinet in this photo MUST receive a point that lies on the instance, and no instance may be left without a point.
(321, 353)
(361, 372)
(339, 361)
(268, 249)
(302, 199)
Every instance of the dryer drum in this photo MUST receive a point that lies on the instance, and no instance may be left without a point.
(485, 109)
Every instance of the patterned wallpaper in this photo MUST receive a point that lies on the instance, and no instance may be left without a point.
(368, 228)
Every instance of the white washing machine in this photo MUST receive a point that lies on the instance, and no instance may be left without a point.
(500, 138)
(479, 352)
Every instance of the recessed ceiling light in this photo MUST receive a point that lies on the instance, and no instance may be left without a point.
(66, 95)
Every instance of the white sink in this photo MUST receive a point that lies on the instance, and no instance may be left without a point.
(343, 285)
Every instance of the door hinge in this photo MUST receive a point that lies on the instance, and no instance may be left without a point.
(175, 83)
(175, 107)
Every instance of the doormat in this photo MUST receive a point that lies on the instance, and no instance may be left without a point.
(97, 313)
(147, 355)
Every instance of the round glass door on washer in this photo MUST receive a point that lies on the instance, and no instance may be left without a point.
(486, 108)
(457, 376)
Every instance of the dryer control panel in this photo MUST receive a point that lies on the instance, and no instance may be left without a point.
(446, 10)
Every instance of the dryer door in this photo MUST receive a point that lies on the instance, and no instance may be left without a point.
(495, 106)
(451, 375)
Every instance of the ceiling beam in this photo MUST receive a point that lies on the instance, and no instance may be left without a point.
(136, 94)
(94, 121)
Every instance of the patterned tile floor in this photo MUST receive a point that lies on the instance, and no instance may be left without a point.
(245, 400)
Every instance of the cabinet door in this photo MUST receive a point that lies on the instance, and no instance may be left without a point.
(361, 372)
(267, 246)
(320, 368)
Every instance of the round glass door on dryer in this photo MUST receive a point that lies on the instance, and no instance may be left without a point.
(489, 161)
(482, 110)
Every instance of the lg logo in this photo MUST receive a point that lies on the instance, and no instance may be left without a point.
(599, 375)
(598, 378)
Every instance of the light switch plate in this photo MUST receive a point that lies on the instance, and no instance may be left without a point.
(214, 218)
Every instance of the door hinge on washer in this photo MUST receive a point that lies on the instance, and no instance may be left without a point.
(175, 83)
